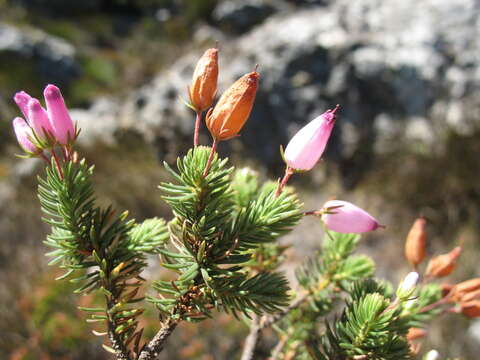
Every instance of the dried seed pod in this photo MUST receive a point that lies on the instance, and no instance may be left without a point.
(231, 112)
(443, 265)
(415, 333)
(415, 242)
(463, 288)
(204, 81)
(471, 309)
(471, 295)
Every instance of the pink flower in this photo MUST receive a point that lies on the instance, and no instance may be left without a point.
(21, 99)
(344, 217)
(24, 135)
(58, 115)
(38, 118)
(307, 146)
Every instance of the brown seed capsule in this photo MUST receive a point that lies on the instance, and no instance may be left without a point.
(443, 265)
(415, 243)
(204, 81)
(471, 308)
(415, 348)
(415, 333)
(232, 110)
(471, 295)
(464, 287)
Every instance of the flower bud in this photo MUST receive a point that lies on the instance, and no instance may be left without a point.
(21, 99)
(231, 112)
(471, 309)
(24, 135)
(344, 217)
(58, 114)
(204, 81)
(415, 333)
(464, 287)
(407, 286)
(432, 355)
(443, 265)
(415, 243)
(39, 120)
(307, 145)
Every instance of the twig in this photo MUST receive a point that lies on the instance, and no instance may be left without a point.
(210, 158)
(156, 345)
(278, 348)
(258, 325)
(121, 352)
(252, 338)
(270, 320)
(432, 306)
(281, 184)
(198, 120)
(45, 158)
(57, 163)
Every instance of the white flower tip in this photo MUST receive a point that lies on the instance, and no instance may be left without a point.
(432, 355)
(410, 281)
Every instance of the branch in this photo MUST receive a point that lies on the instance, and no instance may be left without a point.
(155, 346)
(278, 348)
(257, 325)
(252, 338)
(121, 352)
(268, 321)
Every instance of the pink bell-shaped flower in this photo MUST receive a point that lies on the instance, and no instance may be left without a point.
(21, 99)
(344, 217)
(58, 115)
(307, 145)
(24, 135)
(39, 120)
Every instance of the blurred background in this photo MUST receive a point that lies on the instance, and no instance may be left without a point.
(407, 76)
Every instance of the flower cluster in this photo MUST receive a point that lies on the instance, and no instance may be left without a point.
(304, 150)
(463, 297)
(41, 128)
(221, 244)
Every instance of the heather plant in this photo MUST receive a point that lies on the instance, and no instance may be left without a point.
(222, 245)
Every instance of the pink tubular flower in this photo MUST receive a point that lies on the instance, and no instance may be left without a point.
(24, 133)
(344, 217)
(58, 115)
(21, 99)
(38, 119)
(307, 146)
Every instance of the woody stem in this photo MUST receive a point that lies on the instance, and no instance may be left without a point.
(281, 184)
(210, 158)
(198, 120)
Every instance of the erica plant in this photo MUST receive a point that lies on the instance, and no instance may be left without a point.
(222, 244)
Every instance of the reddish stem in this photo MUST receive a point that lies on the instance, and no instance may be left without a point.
(281, 184)
(435, 304)
(210, 158)
(44, 157)
(57, 162)
(198, 120)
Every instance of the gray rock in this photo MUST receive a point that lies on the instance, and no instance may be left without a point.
(53, 58)
(240, 16)
(400, 70)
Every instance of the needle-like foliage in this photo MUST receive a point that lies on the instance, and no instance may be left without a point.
(99, 249)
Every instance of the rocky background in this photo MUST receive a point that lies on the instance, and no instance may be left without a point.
(406, 73)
